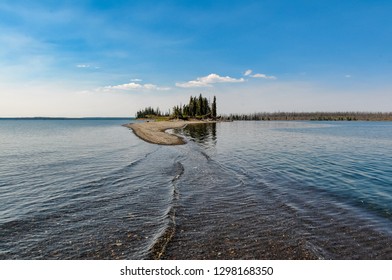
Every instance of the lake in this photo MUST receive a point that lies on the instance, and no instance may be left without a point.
(90, 189)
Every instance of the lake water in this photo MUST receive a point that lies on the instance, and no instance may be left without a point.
(90, 189)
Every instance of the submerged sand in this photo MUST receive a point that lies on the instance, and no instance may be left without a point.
(154, 132)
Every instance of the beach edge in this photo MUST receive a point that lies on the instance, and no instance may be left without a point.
(155, 132)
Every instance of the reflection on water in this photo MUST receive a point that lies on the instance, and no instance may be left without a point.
(204, 133)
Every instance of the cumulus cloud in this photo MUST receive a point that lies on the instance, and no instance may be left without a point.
(206, 81)
(248, 73)
(135, 86)
(136, 80)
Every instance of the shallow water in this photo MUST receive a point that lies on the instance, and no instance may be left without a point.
(90, 189)
(294, 190)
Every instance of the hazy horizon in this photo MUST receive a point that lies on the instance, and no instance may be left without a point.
(224, 115)
(112, 58)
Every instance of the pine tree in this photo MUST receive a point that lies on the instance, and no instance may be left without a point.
(213, 109)
(192, 107)
(199, 104)
(205, 107)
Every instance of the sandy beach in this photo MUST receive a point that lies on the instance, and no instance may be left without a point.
(154, 132)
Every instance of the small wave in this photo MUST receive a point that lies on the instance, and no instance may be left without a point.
(158, 248)
(179, 171)
(205, 155)
(135, 162)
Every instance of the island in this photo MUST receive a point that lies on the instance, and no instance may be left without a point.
(153, 130)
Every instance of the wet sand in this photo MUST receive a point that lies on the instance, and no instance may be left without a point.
(154, 132)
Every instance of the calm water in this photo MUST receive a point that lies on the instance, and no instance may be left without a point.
(90, 189)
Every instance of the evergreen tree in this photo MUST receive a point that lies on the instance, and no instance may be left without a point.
(192, 107)
(204, 107)
(213, 109)
(185, 110)
(199, 104)
(148, 111)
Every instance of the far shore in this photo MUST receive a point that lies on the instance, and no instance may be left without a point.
(155, 132)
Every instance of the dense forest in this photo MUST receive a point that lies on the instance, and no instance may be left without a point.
(198, 107)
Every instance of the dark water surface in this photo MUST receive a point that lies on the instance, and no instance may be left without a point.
(90, 189)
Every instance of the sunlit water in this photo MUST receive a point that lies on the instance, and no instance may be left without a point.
(90, 189)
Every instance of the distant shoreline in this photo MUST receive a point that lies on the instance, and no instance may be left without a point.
(154, 132)
(66, 118)
(259, 116)
(311, 116)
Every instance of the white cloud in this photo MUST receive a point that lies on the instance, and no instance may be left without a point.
(248, 72)
(263, 76)
(135, 86)
(155, 87)
(129, 86)
(208, 80)
(149, 86)
(136, 80)
(87, 66)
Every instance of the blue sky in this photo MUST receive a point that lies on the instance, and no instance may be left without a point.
(111, 58)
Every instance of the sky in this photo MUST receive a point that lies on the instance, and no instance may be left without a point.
(111, 58)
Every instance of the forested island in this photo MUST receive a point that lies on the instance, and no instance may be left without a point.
(199, 108)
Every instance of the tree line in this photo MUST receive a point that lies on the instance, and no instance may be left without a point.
(312, 116)
(198, 107)
(149, 112)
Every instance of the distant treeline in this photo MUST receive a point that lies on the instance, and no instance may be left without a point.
(63, 118)
(197, 107)
(312, 116)
(149, 111)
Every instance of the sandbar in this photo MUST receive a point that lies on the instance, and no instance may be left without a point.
(154, 132)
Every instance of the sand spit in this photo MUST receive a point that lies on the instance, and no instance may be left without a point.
(154, 132)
